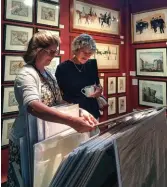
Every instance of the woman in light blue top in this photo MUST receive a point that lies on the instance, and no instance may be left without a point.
(36, 90)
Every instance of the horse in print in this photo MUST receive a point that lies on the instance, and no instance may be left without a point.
(104, 18)
(88, 18)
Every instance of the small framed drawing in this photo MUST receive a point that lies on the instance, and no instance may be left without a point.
(107, 56)
(151, 62)
(149, 26)
(7, 124)
(121, 84)
(152, 93)
(111, 105)
(11, 65)
(102, 83)
(92, 18)
(53, 65)
(17, 37)
(19, 11)
(48, 13)
(10, 104)
(111, 85)
(122, 104)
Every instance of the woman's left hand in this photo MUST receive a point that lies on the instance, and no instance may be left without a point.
(97, 93)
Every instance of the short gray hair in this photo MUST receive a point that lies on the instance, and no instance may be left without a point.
(83, 41)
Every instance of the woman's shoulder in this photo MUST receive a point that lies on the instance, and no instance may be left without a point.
(65, 64)
(92, 63)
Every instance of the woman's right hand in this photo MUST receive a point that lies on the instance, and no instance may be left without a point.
(80, 124)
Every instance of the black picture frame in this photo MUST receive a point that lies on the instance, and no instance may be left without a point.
(18, 6)
(52, 6)
(19, 36)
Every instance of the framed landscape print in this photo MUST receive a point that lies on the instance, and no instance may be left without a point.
(151, 62)
(48, 13)
(111, 85)
(107, 56)
(53, 65)
(121, 84)
(18, 10)
(150, 26)
(17, 37)
(9, 103)
(11, 66)
(111, 105)
(152, 93)
(122, 104)
(7, 124)
(93, 18)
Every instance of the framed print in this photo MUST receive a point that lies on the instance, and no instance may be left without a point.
(7, 124)
(93, 18)
(121, 84)
(102, 83)
(48, 13)
(9, 101)
(53, 65)
(111, 85)
(111, 105)
(150, 26)
(152, 93)
(17, 37)
(11, 66)
(18, 10)
(107, 56)
(151, 62)
(122, 104)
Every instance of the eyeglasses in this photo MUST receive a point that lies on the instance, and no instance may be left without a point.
(87, 53)
(51, 52)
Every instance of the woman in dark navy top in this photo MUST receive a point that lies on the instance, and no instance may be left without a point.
(73, 75)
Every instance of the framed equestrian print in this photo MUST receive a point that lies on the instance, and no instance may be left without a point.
(122, 104)
(10, 104)
(150, 26)
(7, 124)
(151, 62)
(91, 18)
(19, 11)
(48, 13)
(17, 37)
(152, 93)
(111, 105)
(11, 65)
(107, 56)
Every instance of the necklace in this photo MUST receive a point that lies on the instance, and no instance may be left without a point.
(80, 70)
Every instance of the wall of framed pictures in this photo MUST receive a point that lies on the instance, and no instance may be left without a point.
(149, 55)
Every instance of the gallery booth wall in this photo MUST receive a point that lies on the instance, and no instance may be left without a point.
(126, 54)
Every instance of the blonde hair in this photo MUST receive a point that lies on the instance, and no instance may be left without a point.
(42, 39)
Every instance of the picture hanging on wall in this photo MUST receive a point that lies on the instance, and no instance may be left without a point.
(10, 104)
(17, 37)
(48, 13)
(19, 10)
(107, 56)
(152, 93)
(149, 26)
(111, 85)
(121, 84)
(111, 105)
(53, 65)
(102, 83)
(151, 62)
(7, 124)
(11, 65)
(93, 18)
(122, 104)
